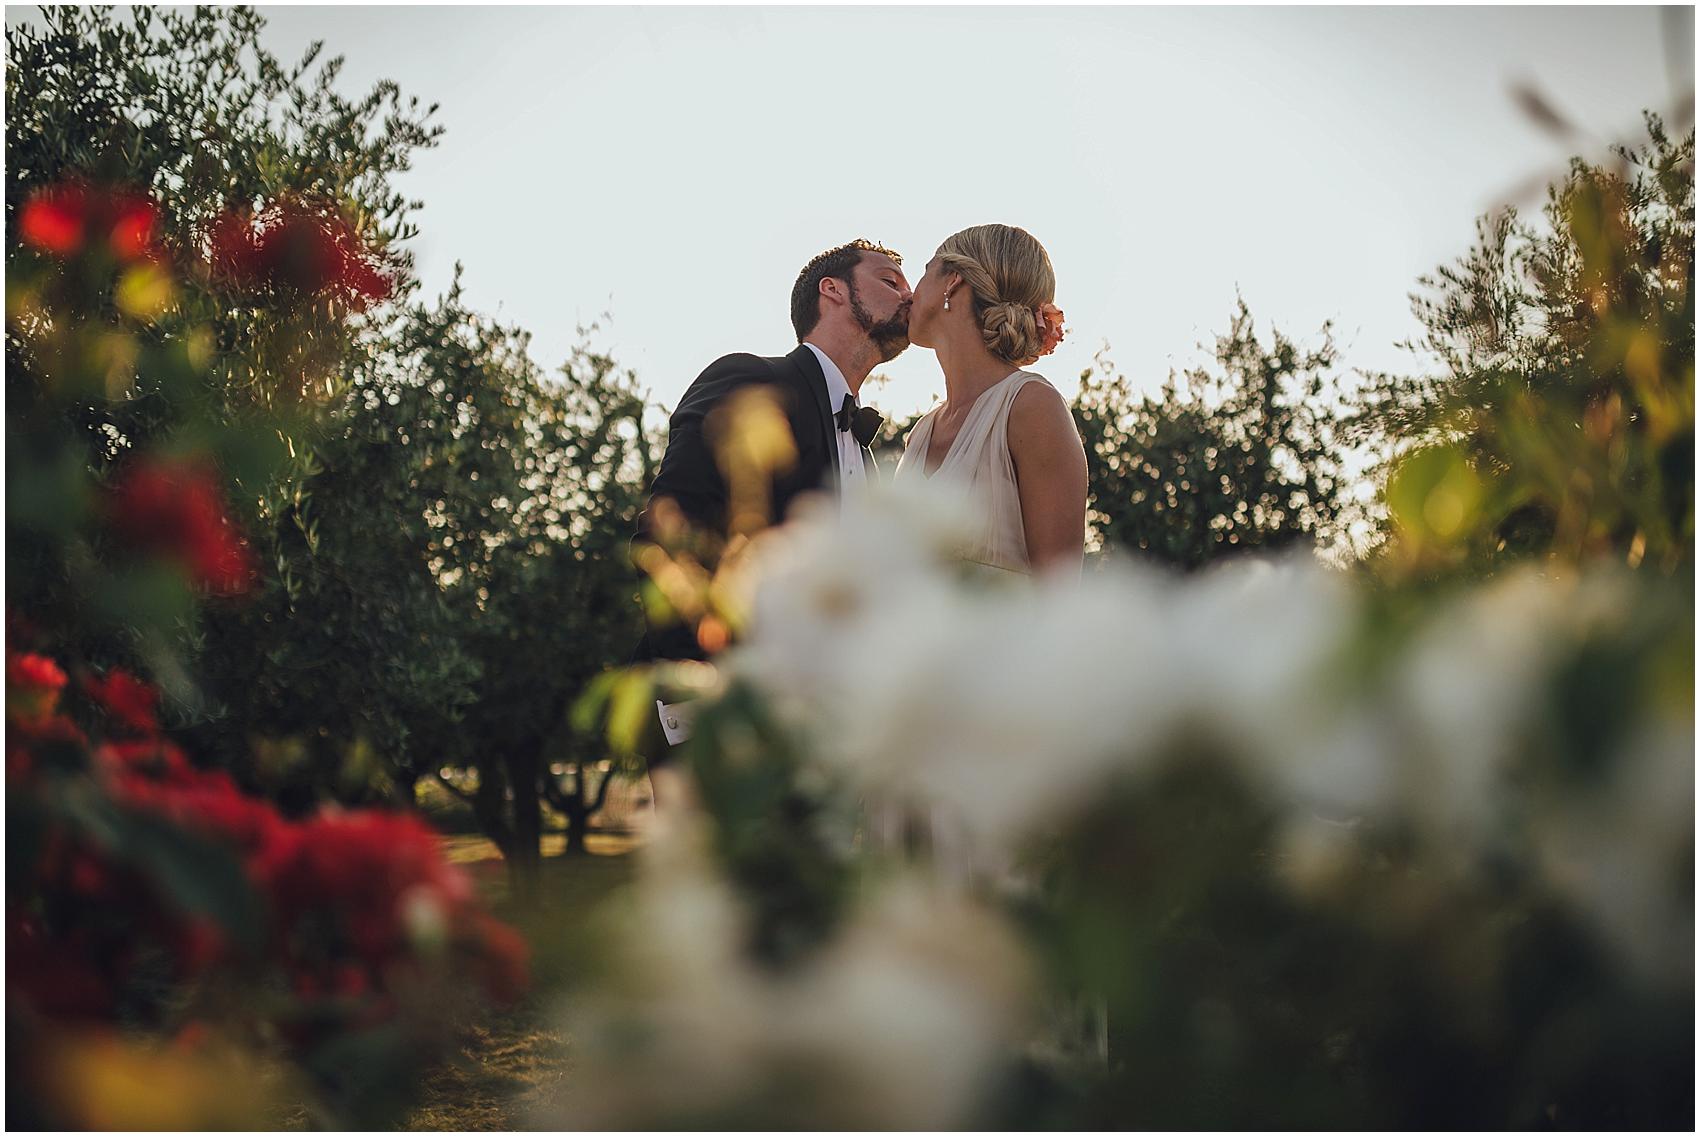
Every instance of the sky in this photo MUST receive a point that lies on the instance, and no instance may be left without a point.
(667, 171)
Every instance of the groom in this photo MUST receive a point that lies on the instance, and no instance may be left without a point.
(850, 309)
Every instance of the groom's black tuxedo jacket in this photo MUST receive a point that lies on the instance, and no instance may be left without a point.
(691, 478)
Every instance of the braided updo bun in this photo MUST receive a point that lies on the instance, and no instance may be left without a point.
(1009, 274)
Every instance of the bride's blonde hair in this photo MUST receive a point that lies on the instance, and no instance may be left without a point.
(1010, 275)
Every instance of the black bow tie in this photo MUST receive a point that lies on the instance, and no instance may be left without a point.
(863, 422)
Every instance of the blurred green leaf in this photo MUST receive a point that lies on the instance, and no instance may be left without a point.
(631, 703)
(53, 495)
(154, 595)
(1434, 495)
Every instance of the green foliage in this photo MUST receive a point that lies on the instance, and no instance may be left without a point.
(530, 543)
(1241, 459)
(146, 894)
(1394, 981)
(1559, 420)
(185, 107)
(185, 104)
(452, 569)
(773, 828)
(87, 384)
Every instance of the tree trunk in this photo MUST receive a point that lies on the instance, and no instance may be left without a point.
(406, 786)
(578, 814)
(577, 805)
(489, 806)
(526, 860)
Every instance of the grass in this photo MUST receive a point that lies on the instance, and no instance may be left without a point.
(508, 1069)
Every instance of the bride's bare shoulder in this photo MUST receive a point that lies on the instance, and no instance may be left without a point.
(1040, 421)
(1038, 404)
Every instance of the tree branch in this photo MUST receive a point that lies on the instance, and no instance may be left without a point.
(468, 798)
(601, 792)
(552, 793)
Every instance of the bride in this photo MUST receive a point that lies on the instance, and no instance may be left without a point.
(986, 307)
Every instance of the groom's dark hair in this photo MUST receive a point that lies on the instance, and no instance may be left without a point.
(837, 263)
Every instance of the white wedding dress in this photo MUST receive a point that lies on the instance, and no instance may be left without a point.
(978, 460)
(1075, 1031)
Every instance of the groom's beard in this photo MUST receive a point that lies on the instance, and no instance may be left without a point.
(889, 336)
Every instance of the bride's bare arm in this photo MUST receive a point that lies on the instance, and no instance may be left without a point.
(1050, 475)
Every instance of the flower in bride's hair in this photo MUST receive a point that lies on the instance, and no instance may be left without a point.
(1050, 327)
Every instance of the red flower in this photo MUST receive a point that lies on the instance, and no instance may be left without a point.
(235, 251)
(32, 700)
(351, 981)
(364, 869)
(154, 759)
(155, 775)
(1050, 319)
(129, 701)
(32, 691)
(61, 218)
(211, 804)
(33, 683)
(175, 508)
(199, 944)
(88, 874)
(34, 673)
(54, 219)
(55, 975)
(300, 249)
(131, 235)
(50, 729)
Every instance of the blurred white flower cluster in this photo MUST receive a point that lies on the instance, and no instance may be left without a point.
(1016, 705)
(1012, 706)
(897, 1024)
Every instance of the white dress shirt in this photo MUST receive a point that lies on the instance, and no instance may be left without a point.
(851, 469)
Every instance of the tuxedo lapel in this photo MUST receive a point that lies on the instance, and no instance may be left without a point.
(873, 466)
(808, 369)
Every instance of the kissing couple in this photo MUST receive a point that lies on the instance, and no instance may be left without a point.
(985, 305)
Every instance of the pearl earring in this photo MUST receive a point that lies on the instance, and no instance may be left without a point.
(947, 302)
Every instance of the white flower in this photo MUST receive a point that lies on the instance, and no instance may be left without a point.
(910, 1012)
(1331, 755)
(992, 701)
(898, 1023)
(822, 577)
(1463, 691)
(1256, 645)
(1021, 701)
(1007, 706)
(1613, 851)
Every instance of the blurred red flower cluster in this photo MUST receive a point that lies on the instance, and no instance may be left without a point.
(76, 217)
(358, 906)
(306, 249)
(294, 246)
(33, 683)
(174, 508)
